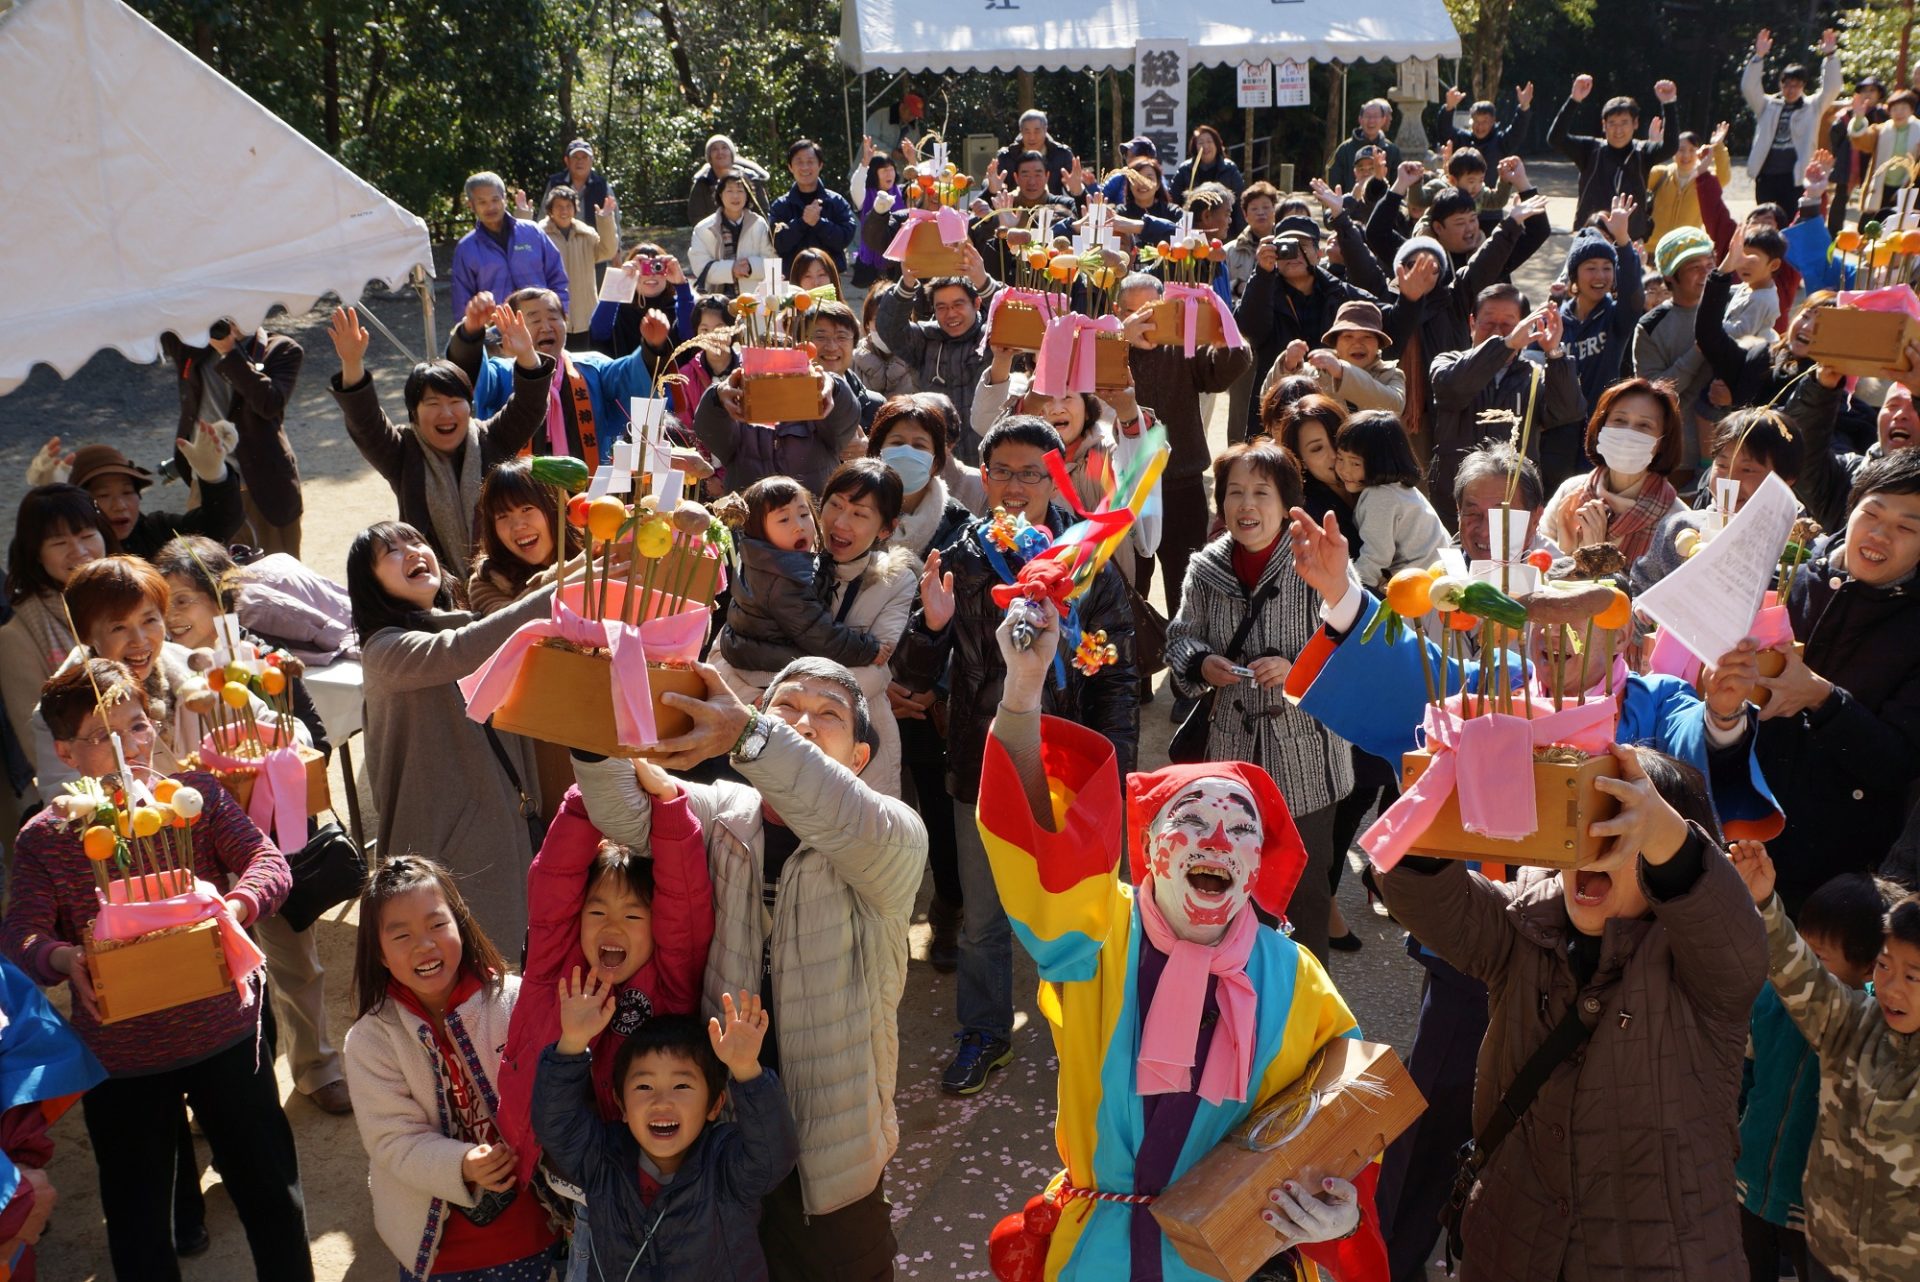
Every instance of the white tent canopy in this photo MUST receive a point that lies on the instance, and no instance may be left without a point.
(1099, 35)
(147, 193)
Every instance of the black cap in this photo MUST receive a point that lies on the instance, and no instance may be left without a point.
(1296, 225)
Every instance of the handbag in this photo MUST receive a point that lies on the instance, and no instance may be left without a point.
(327, 871)
(1149, 635)
(529, 808)
(1189, 742)
(1565, 1038)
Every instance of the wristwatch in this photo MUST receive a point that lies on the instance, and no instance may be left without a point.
(753, 740)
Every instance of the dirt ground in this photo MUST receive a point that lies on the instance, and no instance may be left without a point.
(962, 1164)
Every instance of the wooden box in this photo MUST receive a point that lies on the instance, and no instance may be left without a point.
(928, 256)
(1111, 371)
(1361, 1099)
(564, 696)
(157, 972)
(1567, 801)
(1018, 325)
(1862, 344)
(780, 398)
(1170, 321)
(319, 798)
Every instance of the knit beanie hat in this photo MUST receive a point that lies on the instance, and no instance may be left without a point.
(1681, 245)
(1421, 245)
(1589, 243)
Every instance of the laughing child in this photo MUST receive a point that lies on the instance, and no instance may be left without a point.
(676, 1193)
(1863, 1171)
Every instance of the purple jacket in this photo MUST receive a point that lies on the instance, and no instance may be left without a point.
(530, 259)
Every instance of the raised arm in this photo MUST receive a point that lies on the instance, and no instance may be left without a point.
(418, 660)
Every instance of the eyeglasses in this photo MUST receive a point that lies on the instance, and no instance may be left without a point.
(136, 730)
(1001, 473)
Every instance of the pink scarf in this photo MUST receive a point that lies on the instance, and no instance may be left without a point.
(1173, 1021)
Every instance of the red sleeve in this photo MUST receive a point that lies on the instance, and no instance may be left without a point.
(1787, 281)
(13, 1217)
(1713, 213)
(1362, 1257)
(260, 869)
(682, 907)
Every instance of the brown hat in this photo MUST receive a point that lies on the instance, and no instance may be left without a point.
(90, 461)
(1357, 317)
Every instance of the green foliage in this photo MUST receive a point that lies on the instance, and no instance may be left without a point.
(1870, 40)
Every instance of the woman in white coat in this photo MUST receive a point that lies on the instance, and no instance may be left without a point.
(731, 246)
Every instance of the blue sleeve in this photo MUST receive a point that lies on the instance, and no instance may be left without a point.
(41, 1057)
(493, 388)
(565, 1120)
(1810, 252)
(836, 223)
(623, 379)
(1665, 713)
(766, 1142)
(463, 285)
(601, 326)
(1373, 694)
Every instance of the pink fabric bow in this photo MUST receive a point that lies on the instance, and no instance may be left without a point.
(1065, 363)
(171, 899)
(1771, 627)
(1165, 1065)
(278, 803)
(1489, 761)
(1203, 296)
(1886, 298)
(666, 639)
(1049, 305)
(951, 223)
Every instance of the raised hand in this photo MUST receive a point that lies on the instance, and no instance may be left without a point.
(1415, 278)
(1552, 326)
(479, 313)
(586, 1007)
(609, 206)
(1755, 866)
(1523, 95)
(1829, 41)
(1582, 86)
(1294, 355)
(936, 594)
(1618, 217)
(1320, 554)
(515, 339)
(1763, 43)
(1411, 172)
(1666, 91)
(866, 148)
(1646, 824)
(1455, 95)
(1720, 132)
(1027, 669)
(737, 1033)
(1333, 199)
(1527, 331)
(50, 463)
(1531, 207)
(1657, 130)
(350, 340)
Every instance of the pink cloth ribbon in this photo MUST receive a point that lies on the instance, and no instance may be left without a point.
(175, 903)
(556, 416)
(1049, 305)
(1491, 767)
(755, 361)
(951, 224)
(1771, 627)
(1065, 363)
(1165, 1065)
(278, 803)
(1886, 298)
(666, 639)
(1203, 296)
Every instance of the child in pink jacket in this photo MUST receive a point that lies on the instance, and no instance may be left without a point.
(642, 924)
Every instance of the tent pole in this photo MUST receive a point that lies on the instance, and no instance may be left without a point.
(423, 285)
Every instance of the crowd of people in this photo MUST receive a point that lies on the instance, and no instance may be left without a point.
(638, 1017)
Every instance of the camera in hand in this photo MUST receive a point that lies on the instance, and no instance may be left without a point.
(1285, 247)
(652, 266)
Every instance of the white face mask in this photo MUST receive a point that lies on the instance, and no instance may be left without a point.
(1625, 450)
(1203, 852)
(912, 464)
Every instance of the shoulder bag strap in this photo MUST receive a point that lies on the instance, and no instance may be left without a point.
(1254, 606)
(528, 807)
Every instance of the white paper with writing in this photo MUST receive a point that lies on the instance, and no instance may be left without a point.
(1709, 602)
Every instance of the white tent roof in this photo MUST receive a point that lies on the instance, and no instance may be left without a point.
(1099, 35)
(146, 193)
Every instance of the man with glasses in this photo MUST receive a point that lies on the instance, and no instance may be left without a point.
(952, 635)
(945, 353)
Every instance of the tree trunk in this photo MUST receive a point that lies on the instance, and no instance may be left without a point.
(682, 64)
(1488, 47)
(1336, 121)
(1023, 89)
(203, 41)
(330, 82)
(1113, 87)
(370, 101)
(565, 95)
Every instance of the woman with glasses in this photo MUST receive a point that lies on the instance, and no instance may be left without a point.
(1244, 617)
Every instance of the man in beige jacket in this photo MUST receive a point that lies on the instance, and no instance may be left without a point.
(814, 878)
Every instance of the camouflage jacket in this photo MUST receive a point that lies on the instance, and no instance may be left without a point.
(1863, 1173)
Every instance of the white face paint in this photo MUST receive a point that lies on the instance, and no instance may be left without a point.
(1202, 853)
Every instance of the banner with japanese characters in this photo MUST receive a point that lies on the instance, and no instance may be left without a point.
(1160, 97)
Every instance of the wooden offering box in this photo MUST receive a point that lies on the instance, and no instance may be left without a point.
(1567, 801)
(1361, 1099)
(781, 398)
(157, 972)
(1862, 344)
(1018, 325)
(319, 798)
(1111, 372)
(1170, 324)
(928, 256)
(565, 696)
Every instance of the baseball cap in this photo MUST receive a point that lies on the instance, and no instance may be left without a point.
(1143, 146)
(579, 144)
(1298, 228)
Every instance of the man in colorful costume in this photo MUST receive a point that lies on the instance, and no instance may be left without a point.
(1174, 1012)
(1371, 692)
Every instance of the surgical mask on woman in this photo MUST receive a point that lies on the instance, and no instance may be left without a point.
(913, 465)
(1626, 451)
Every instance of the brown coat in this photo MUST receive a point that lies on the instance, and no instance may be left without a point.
(1623, 1168)
(261, 371)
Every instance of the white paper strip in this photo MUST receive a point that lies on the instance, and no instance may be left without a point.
(1709, 602)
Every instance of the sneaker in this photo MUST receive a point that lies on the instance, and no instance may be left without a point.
(943, 950)
(978, 1056)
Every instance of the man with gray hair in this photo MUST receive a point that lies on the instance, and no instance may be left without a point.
(1375, 115)
(1480, 487)
(1033, 136)
(814, 878)
(502, 253)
